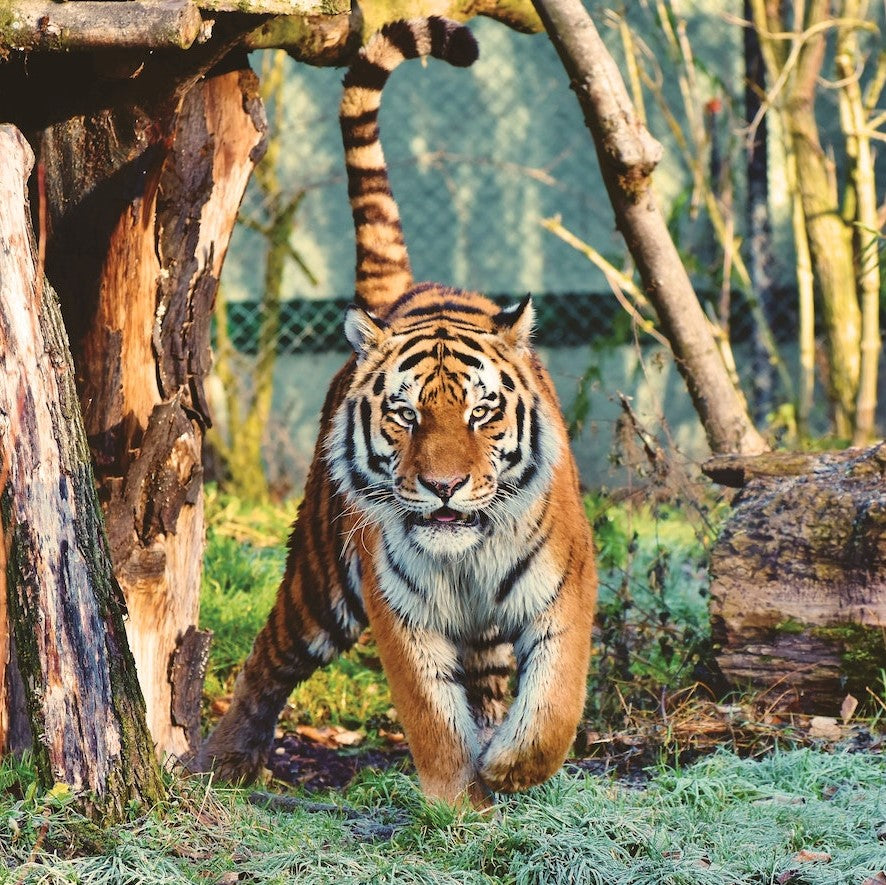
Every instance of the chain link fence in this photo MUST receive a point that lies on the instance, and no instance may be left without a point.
(478, 158)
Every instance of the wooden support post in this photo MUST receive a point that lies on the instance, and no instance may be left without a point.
(65, 606)
(140, 225)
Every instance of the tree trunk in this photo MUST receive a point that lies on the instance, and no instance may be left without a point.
(65, 606)
(759, 229)
(829, 237)
(628, 154)
(142, 203)
(798, 594)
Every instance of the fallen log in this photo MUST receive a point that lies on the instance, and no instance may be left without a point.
(798, 593)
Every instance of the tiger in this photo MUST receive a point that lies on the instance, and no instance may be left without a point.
(442, 508)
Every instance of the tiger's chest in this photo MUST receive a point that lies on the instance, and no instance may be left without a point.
(502, 583)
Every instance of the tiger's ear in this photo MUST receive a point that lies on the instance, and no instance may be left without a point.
(364, 330)
(515, 322)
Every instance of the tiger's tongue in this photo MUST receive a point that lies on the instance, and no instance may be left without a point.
(444, 514)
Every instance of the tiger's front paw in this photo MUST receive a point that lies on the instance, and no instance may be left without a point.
(509, 768)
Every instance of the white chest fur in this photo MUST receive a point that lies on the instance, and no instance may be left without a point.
(505, 581)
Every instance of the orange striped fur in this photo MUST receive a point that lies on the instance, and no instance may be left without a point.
(442, 508)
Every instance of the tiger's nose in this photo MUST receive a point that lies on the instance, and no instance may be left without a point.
(444, 487)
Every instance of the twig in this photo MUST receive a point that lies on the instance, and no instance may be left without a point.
(364, 825)
(618, 281)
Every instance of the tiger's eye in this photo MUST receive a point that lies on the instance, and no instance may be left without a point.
(406, 414)
(479, 412)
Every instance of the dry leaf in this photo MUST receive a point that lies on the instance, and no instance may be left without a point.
(879, 879)
(806, 856)
(825, 727)
(220, 706)
(392, 737)
(332, 736)
(348, 738)
(848, 707)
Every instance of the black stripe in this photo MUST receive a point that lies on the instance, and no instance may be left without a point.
(472, 343)
(377, 258)
(352, 138)
(544, 639)
(379, 384)
(488, 670)
(467, 359)
(361, 119)
(315, 586)
(351, 596)
(484, 643)
(294, 628)
(363, 182)
(439, 32)
(376, 461)
(534, 439)
(412, 361)
(338, 632)
(366, 75)
(402, 37)
(358, 478)
(374, 214)
(513, 458)
(410, 585)
(378, 273)
(443, 307)
(506, 380)
(411, 342)
(518, 570)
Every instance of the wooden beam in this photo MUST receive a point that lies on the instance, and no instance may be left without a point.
(276, 7)
(98, 24)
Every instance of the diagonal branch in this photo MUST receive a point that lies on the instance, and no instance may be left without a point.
(628, 154)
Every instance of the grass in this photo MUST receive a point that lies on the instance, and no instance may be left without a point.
(722, 821)
(243, 564)
(799, 816)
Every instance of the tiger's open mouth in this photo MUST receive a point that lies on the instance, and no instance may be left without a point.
(447, 519)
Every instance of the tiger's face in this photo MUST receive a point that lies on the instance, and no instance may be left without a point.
(444, 436)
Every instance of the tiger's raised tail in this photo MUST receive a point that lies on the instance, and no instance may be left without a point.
(383, 269)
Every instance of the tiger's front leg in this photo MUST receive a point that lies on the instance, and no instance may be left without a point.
(552, 663)
(424, 675)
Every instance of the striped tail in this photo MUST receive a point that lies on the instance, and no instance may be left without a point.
(383, 270)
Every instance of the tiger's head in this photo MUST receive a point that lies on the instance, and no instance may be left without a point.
(446, 432)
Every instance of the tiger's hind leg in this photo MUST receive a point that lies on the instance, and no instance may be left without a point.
(318, 614)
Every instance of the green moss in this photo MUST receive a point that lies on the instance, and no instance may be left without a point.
(790, 625)
(862, 651)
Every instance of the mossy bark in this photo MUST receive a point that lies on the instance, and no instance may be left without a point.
(86, 708)
(798, 594)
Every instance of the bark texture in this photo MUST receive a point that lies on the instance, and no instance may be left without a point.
(142, 201)
(65, 606)
(799, 575)
(628, 154)
(100, 24)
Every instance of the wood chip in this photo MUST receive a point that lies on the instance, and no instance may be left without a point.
(848, 707)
